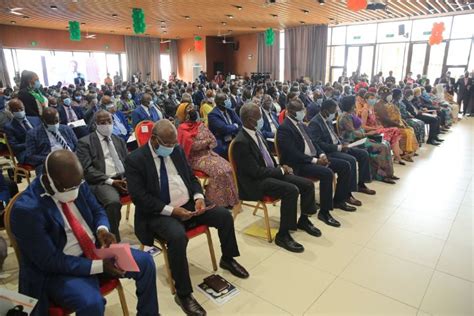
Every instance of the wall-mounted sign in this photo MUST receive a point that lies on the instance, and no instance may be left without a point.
(390, 35)
(427, 33)
(356, 37)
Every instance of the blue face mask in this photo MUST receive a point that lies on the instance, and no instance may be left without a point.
(19, 115)
(372, 102)
(78, 98)
(129, 95)
(300, 115)
(37, 85)
(53, 128)
(164, 151)
(228, 104)
(67, 101)
(260, 124)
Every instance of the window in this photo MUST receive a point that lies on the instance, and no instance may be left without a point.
(113, 64)
(338, 55)
(338, 35)
(392, 57)
(367, 60)
(459, 26)
(329, 35)
(435, 66)
(394, 32)
(10, 65)
(422, 28)
(281, 75)
(361, 34)
(352, 59)
(418, 56)
(459, 52)
(123, 63)
(165, 65)
(32, 60)
(471, 61)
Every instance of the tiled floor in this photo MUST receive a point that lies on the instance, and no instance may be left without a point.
(407, 251)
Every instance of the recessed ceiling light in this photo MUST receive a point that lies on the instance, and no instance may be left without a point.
(147, 34)
(164, 31)
(83, 23)
(112, 31)
(26, 17)
(305, 11)
(331, 19)
(128, 28)
(114, 15)
(163, 26)
(321, 2)
(199, 26)
(238, 7)
(53, 7)
(187, 17)
(230, 16)
(274, 15)
(67, 27)
(229, 31)
(224, 23)
(302, 22)
(254, 27)
(12, 22)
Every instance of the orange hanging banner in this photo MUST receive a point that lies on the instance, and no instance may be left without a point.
(436, 34)
(356, 5)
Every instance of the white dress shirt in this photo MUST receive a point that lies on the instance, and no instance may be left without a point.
(110, 170)
(146, 109)
(334, 138)
(307, 151)
(179, 194)
(270, 121)
(55, 145)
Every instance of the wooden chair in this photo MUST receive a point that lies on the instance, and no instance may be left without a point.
(106, 286)
(126, 200)
(261, 205)
(191, 233)
(202, 177)
(23, 170)
(143, 132)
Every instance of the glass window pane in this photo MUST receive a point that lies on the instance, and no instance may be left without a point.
(113, 64)
(361, 34)
(98, 68)
(79, 64)
(422, 28)
(418, 59)
(392, 57)
(435, 66)
(123, 60)
(366, 62)
(352, 60)
(326, 79)
(456, 72)
(390, 32)
(165, 66)
(471, 62)
(10, 65)
(458, 52)
(338, 55)
(459, 27)
(336, 73)
(338, 35)
(31, 60)
(329, 35)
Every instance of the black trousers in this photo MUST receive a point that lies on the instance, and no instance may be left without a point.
(288, 190)
(173, 231)
(109, 198)
(355, 156)
(325, 176)
(434, 123)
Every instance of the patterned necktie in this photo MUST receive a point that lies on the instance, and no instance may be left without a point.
(164, 183)
(117, 162)
(266, 156)
(60, 140)
(84, 240)
(307, 139)
(26, 124)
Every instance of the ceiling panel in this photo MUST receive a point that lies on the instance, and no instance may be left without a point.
(167, 18)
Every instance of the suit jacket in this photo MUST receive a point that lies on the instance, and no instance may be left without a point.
(223, 131)
(305, 99)
(267, 129)
(236, 102)
(462, 89)
(198, 96)
(251, 168)
(38, 145)
(16, 134)
(144, 187)
(282, 100)
(291, 146)
(125, 123)
(38, 227)
(63, 116)
(320, 134)
(139, 115)
(91, 156)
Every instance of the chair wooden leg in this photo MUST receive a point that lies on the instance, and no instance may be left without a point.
(128, 212)
(211, 250)
(168, 270)
(123, 301)
(267, 223)
(15, 174)
(236, 210)
(257, 207)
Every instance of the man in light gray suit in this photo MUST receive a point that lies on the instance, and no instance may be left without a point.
(102, 156)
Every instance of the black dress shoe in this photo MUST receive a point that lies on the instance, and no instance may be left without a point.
(286, 241)
(234, 267)
(366, 190)
(388, 180)
(328, 219)
(343, 206)
(353, 201)
(432, 142)
(394, 178)
(189, 305)
(305, 224)
(439, 139)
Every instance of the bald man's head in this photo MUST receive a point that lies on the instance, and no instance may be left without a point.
(64, 169)
(250, 114)
(164, 134)
(50, 116)
(15, 105)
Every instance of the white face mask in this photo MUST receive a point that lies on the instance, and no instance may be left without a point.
(389, 98)
(63, 197)
(105, 130)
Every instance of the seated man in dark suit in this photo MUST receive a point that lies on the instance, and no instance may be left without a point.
(57, 224)
(168, 200)
(258, 175)
(322, 132)
(309, 160)
(224, 123)
(69, 114)
(102, 156)
(145, 112)
(270, 119)
(17, 128)
(235, 98)
(48, 137)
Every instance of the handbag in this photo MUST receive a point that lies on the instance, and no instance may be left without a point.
(17, 311)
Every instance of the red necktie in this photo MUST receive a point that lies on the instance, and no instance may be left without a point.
(84, 240)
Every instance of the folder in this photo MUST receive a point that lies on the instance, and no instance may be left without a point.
(122, 255)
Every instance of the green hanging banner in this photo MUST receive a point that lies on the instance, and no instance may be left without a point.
(269, 37)
(139, 25)
(74, 31)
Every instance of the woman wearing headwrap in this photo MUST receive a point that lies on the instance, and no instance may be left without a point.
(417, 125)
(207, 105)
(350, 130)
(365, 110)
(390, 116)
(182, 110)
(198, 143)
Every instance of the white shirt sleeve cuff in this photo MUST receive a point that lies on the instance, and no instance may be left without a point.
(282, 171)
(322, 155)
(167, 210)
(339, 147)
(102, 227)
(198, 196)
(109, 181)
(97, 267)
(314, 161)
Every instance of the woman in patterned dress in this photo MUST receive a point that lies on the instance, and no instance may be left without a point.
(417, 125)
(198, 142)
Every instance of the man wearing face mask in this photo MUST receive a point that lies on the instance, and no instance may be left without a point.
(58, 223)
(47, 137)
(16, 130)
(78, 100)
(69, 114)
(224, 123)
(121, 127)
(145, 112)
(258, 175)
(169, 200)
(102, 156)
(270, 119)
(308, 160)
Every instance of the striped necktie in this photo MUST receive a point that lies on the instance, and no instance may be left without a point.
(60, 140)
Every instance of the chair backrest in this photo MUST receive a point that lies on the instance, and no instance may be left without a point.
(7, 216)
(275, 145)
(11, 155)
(143, 132)
(232, 163)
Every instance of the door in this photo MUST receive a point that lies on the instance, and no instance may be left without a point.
(360, 59)
(417, 55)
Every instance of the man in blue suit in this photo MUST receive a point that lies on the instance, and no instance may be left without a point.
(57, 224)
(69, 114)
(48, 137)
(121, 127)
(17, 128)
(224, 123)
(270, 119)
(145, 112)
